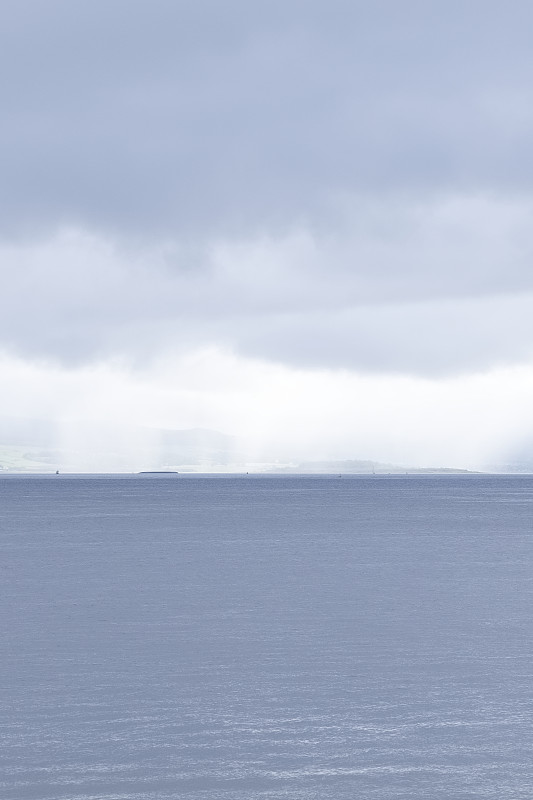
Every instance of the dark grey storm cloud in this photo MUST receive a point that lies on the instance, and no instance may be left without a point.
(393, 137)
(169, 116)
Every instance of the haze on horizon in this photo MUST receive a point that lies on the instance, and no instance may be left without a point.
(304, 224)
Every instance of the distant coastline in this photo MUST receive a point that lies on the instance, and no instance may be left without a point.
(35, 447)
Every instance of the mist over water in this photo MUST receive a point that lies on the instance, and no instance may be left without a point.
(252, 637)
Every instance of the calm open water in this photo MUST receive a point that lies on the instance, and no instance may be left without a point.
(240, 638)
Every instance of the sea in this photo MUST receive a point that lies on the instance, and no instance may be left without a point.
(244, 637)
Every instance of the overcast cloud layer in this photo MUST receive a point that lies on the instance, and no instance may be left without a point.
(340, 184)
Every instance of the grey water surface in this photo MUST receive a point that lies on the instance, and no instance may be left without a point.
(246, 637)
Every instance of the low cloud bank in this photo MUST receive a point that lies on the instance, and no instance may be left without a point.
(432, 288)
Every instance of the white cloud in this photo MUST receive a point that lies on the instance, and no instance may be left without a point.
(276, 412)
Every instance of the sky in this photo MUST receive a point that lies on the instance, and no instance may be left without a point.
(306, 224)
